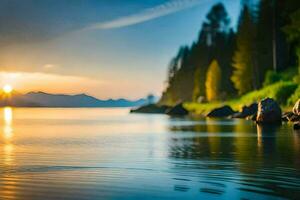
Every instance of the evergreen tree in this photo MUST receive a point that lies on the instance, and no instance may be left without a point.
(180, 81)
(273, 50)
(264, 39)
(285, 51)
(243, 57)
(215, 36)
(183, 84)
(293, 32)
(213, 81)
(245, 70)
(217, 22)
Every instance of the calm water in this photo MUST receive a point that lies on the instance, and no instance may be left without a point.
(110, 154)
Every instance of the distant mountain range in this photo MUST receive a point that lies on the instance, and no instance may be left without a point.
(41, 99)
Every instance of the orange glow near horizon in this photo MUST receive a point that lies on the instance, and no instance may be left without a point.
(103, 88)
(7, 89)
(24, 82)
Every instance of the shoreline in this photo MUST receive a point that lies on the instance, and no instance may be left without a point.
(265, 111)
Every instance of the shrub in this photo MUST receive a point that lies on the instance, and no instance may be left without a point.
(294, 98)
(286, 75)
(284, 92)
(271, 77)
(296, 79)
(280, 91)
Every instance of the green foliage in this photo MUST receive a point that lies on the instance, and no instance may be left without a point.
(296, 79)
(294, 98)
(280, 91)
(264, 39)
(293, 29)
(243, 57)
(293, 32)
(298, 55)
(271, 77)
(201, 108)
(284, 92)
(197, 92)
(286, 75)
(213, 81)
(244, 72)
(187, 71)
(180, 81)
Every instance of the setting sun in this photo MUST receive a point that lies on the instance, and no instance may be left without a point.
(7, 89)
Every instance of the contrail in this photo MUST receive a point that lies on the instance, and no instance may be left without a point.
(147, 14)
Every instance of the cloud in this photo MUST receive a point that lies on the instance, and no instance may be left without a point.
(167, 8)
(39, 22)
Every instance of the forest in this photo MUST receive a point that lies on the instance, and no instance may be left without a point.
(258, 58)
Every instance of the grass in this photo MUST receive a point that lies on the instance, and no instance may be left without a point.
(280, 91)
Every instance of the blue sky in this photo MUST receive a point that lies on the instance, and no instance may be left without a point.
(108, 48)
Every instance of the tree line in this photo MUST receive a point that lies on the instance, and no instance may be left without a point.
(225, 62)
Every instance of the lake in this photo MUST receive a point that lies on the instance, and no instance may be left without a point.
(50, 153)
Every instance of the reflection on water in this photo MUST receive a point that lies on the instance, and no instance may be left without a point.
(266, 138)
(8, 191)
(109, 154)
(8, 146)
(7, 128)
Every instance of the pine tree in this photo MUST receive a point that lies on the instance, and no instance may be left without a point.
(213, 81)
(180, 81)
(293, 32)
(215, 36)
(245, 71)
(264, 39)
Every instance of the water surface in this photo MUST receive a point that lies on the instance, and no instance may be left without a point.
(48, 153)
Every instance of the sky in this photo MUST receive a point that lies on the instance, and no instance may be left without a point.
(105, 48)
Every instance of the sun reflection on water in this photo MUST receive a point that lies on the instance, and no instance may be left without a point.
(8, 115)
(8, 147)
(7, 128)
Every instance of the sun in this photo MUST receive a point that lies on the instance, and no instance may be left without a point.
(7, 89)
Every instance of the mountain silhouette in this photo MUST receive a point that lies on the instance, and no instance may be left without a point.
(42, 99)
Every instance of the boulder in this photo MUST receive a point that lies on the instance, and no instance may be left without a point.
(224, 111)
(151, 109)
(296, 108)
(291, 117)
(246, 111)
(177, 110)
(286, 116)
(294, 118)
(269, 112)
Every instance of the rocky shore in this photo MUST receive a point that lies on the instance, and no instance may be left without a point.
(177, 110)
(266, 111)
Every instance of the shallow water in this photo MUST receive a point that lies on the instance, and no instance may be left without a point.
(48, 153)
